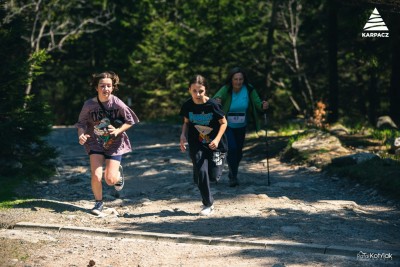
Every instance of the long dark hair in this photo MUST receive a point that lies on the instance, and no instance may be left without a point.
(94, 81)
(228, 81)
(198, 79)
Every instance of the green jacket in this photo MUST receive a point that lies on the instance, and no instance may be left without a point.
(255, 105)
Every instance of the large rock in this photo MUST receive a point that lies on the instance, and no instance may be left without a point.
(397, 142)
(339, 129)
(385, 122)
(317, 142)
(353, 159)
(318, 148)
(396, 145)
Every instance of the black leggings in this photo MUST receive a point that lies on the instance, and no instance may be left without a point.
(236, 137)
(202, 164)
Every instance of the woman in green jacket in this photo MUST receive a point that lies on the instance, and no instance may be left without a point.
(241, 104)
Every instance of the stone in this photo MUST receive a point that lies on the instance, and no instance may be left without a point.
(317, 148)
(397, 142)
(318, 141)
(353, 159)
(339, 129)
(385, 122)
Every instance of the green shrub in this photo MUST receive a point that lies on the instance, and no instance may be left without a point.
(383, 174)
(385, 135)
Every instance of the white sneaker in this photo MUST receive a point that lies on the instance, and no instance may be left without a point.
(207, 210)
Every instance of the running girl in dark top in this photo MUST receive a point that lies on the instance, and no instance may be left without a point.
(203, 129)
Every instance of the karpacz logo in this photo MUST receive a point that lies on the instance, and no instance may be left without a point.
(375, 34)
(375, 26)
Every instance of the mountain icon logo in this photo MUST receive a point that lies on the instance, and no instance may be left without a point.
(375, 26)
(375, 22)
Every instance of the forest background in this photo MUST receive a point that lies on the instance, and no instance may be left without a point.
(295, 52)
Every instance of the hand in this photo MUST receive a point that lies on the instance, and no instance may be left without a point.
(83, 138)
(213, 145)
(265, 105)
(114, 132)
(218, 100)
(183, 141)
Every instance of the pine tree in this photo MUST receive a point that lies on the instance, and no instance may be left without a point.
(25, 120)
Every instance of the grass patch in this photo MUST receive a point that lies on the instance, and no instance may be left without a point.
(9, 204)
(383, 174)
(385, 134)
(8, 197)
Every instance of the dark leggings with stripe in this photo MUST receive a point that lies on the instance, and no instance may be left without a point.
(236, 137)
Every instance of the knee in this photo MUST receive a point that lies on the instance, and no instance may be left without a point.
(111, 178)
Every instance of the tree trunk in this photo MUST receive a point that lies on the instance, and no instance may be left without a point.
(270, 43)
(361, 99)
(394, 91)
(333, 96)
(373, 95)
(28, 88)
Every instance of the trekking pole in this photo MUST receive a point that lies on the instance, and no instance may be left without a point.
(266, 142)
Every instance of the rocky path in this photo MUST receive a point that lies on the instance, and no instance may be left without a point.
(300, 216)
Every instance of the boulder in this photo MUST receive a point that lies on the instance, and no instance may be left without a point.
(317, 148)
(353, 159)
(397, 142)
(339, 129)
(396, 145)
(385, 122)
(318, 141)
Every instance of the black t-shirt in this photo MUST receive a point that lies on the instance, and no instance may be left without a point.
(203, 124)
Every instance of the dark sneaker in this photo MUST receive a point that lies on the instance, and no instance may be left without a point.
(233, 183)
(98, 207)
(120, 184)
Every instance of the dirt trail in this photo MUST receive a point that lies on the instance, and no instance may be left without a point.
(302, 206)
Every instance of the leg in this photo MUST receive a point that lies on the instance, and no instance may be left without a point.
(195, 173)
(111, 173)
(232, 154)
(236, 137)
(201, 165)
(216, 166)
(96, 167)
(240, 138)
